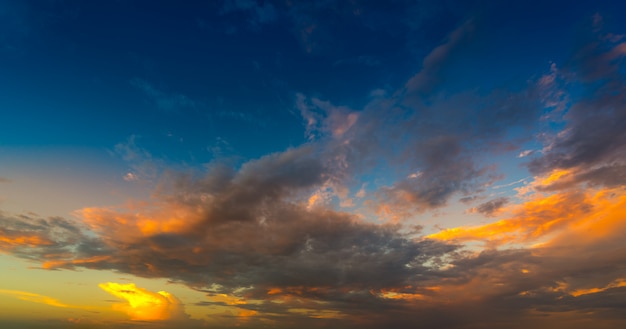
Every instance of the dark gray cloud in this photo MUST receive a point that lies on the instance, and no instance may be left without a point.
(492, 206)
(593, 142)
(247, 230)
(282, 251)
(430, 76)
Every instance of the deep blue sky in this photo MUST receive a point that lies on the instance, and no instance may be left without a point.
(94, 73)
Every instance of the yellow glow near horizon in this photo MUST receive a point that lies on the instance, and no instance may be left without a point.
(35, 298)
(43, 299)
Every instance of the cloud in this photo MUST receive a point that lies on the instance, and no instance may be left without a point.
(441, 141)
(430, 76)
(247, 229)
(592, 143)
(4, 180)
(282, 262)
(491, 207)
(53, 238)
(532, 220)
(143, 167)
(422, 128)
(144, 305)
(323, 118)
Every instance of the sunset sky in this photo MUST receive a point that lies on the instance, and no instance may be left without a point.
(312, 164)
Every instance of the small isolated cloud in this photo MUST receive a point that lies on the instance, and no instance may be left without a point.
(490, 207)
(130, 177)
(144, 305)
(525, 153)
(4, 180)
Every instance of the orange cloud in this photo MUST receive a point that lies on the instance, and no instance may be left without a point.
(228, 299)
(389, 294)
(145, 305)
(545, 215)
(318, 313)
(64, 263)
(615, 284)
(142, 219)
(9, 242)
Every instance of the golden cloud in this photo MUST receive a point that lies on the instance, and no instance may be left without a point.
(144, 305)
(598, 211)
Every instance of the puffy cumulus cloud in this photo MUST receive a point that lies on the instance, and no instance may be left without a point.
(144, 305)
(280, 245)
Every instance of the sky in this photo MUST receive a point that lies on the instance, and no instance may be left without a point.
(312, 164)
